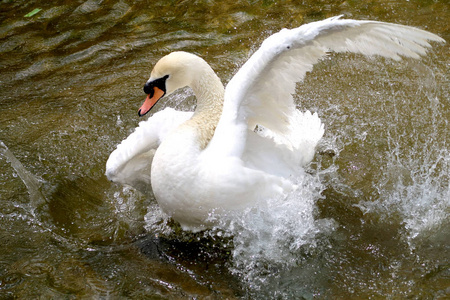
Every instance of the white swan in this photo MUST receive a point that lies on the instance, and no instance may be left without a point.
(241, 144)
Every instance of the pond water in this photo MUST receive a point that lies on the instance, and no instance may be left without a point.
(371, 220)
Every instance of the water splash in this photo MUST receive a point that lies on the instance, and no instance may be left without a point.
(31, 182)
(275, 235)
(414, 187)
(420, 194)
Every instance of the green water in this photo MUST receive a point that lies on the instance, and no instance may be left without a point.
(71, 78)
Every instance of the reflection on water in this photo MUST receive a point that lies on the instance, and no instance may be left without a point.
(371, 220)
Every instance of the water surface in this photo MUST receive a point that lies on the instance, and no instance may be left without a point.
(370, 222)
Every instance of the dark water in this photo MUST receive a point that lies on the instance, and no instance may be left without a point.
(372, 220)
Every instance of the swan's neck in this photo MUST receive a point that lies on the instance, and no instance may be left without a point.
(210, 92)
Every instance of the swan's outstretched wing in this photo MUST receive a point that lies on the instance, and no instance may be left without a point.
(130, 163)
(260, 93)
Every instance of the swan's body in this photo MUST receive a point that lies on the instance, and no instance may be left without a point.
(204, 164)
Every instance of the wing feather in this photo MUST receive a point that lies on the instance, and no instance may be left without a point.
(130, 163)
(261, 91)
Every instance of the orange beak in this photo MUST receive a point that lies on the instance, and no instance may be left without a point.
(150, 102)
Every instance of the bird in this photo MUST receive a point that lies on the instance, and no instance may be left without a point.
(245, 143)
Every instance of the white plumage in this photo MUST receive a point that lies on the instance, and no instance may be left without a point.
(244, 143)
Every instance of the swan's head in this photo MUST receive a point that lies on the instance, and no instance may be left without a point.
(173, 71)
